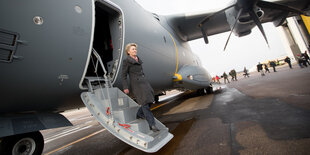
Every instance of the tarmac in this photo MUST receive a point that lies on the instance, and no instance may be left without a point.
(258, 115)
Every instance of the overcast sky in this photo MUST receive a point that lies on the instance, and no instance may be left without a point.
(240, 52)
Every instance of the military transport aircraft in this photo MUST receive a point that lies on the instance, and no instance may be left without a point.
(53, 53)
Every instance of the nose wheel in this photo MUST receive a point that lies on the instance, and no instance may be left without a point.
(204, 91)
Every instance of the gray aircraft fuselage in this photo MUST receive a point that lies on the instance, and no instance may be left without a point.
(50, 52)
(51, 41)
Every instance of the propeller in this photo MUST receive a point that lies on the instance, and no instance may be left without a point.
(238, 16)
(248, 7)
(204, 34)
(216, 13)
(265, 4)
(258, 24)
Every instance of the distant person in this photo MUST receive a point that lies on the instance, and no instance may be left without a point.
(232, 76)
(301, 61)
(273, 65)
(234, 73)
(217, 79)
(288, 61)
(213, 79)
(306, 57)
(225, 77)
(260, 69)
(266, 68)
(246, 74)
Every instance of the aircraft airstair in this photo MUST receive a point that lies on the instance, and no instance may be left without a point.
(117, 113)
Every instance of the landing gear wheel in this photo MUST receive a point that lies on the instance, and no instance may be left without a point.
(25, 144)
(209, 90)
(202, 91)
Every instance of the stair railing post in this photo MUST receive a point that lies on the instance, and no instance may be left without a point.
(107, 83)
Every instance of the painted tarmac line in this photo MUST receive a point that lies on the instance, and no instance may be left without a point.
(47, 140)
(63, 132)
(170, 96)
(93, 134)
(162, 104)
(81, 118)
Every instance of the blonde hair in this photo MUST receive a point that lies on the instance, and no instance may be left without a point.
(128, 47)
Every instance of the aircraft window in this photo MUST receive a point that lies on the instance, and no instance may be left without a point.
(156, 16)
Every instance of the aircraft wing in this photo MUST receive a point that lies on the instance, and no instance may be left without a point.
(196, 25)
(187, 25)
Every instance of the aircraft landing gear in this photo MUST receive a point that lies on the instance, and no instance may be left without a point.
(27, 144)
(209, 90)
(201, 91)
(204, 91)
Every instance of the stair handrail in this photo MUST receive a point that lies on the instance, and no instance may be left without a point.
(107, 83)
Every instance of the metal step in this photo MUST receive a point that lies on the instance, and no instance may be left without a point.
(140, 125)
(126, 115)
(117, 113)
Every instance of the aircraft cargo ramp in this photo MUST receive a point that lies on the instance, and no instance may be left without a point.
(117, 113)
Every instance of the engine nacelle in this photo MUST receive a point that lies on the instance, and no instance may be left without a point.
(245, 23)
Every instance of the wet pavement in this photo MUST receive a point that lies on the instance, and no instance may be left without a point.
(256, 115)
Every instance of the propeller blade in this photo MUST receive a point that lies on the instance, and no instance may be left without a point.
(218, 12)
(270, 5)
(258, 23)
(206, 19)
(237, 18)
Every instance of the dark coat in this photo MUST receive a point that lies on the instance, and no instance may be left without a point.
(306, 56)
(287, 60)
(140, 87)
(259, 67)
(272, 64)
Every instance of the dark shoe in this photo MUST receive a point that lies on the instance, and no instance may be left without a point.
(154, 128)
(138, 117)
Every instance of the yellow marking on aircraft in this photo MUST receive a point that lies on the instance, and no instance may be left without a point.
(176, 50)
(179, 77)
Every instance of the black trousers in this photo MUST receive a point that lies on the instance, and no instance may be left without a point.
(145, 112)
(289, 64)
